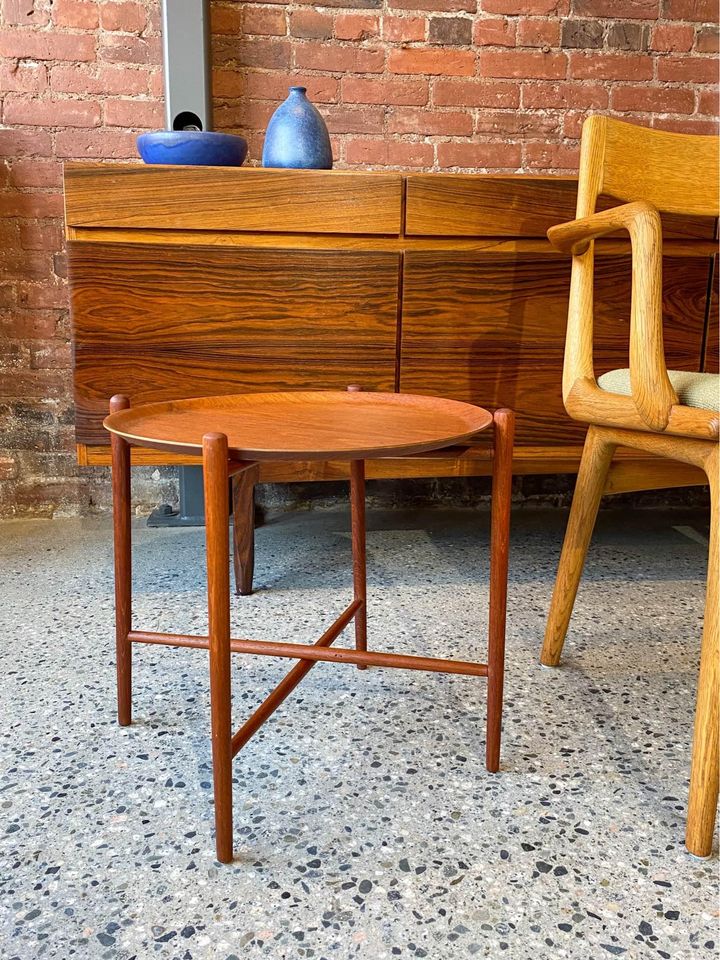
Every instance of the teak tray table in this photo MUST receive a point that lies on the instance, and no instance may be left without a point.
(233, 433)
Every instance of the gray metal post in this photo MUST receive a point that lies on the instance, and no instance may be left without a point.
(186, 56)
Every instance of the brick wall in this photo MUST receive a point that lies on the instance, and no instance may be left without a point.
(436, 84)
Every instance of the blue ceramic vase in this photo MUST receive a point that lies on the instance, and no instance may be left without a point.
(192, 147)
(297, 136)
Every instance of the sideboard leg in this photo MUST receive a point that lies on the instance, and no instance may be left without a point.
(243, 502)
(357, 519)
(504, 430)
(215, 468)
(123, 565)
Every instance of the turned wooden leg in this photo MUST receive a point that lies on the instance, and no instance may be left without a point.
(243, 500)
(357, 515)
(215, 466)
(504, 431)
(123, 565)
(702, 805)
(597, 455)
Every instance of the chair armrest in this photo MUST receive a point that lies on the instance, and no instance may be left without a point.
(574, 237)
(652, 392)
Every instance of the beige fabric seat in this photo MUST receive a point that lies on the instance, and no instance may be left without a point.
(693, 389)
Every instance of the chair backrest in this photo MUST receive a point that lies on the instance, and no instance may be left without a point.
(675, 172)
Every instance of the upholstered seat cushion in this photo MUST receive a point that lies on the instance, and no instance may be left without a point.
(693, 389)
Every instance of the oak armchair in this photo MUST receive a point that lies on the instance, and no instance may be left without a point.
(674, 414)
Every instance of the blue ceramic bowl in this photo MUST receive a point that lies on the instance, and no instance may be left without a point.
(192, 147)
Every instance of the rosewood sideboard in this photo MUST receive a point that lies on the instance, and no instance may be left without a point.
(188, 281)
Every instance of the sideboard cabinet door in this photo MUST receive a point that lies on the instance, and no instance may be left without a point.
(491, 330)
(158, 322)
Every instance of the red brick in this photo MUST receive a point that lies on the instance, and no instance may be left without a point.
(494, 32)
(331, 58)
(31, 206)
(403, 29)
(261, 85)
(627, 10)
(475, 93)
(32, 172)
(229, 83)
(516, 124)
(389, 153)
(448, 123)
(356, 26)
(371, 90)
(26, 265)
(226, 20)
(29, 325)
(55, 355)
(99, 80)
(311, 24)
(701, 11)
(526, 8)
(79, 14)
(45, 296)
(34, 45)
(522, 64)
(24, 13)
(610, 66)
(552, 156)
(96, 144)
(269, 53)
(51, 113)
(264, 22)
(589, 96)
(16, 77)
(672, 37)
(703, 127)
(707, 40)
(354, 119)
(123, 17)
(538, 33)
(41, 235)
(483, 156)
(21, 143)
(709, 102)
(688, 69)
(572, 123)
(126, 48)
(435, 6)
(147, 114)
(644, 99)
(458, 63)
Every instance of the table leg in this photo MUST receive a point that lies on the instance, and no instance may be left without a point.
(357, 519)
(504, 429)
(215, 466)
(123, 565)
(243, 499)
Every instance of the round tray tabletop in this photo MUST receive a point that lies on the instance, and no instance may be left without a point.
(348, 425)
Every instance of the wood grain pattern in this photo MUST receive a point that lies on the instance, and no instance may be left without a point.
(474, 328)
(221, 198)
(305, 425)
(156, 322)
(712, 341)
(464, 205)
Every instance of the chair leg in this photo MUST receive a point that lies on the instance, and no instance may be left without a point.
(357, 519)
(597, 456)
(215, 466)
(703, 798)
(243, 500)
(123, 565)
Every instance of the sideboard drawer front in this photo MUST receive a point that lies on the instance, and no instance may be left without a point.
(491, 331)
(161, 322)
(134, 196)
(481, 205)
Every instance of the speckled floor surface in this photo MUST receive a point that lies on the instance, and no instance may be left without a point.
(366, 825)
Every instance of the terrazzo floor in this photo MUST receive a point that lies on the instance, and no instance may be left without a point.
(366, 824)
